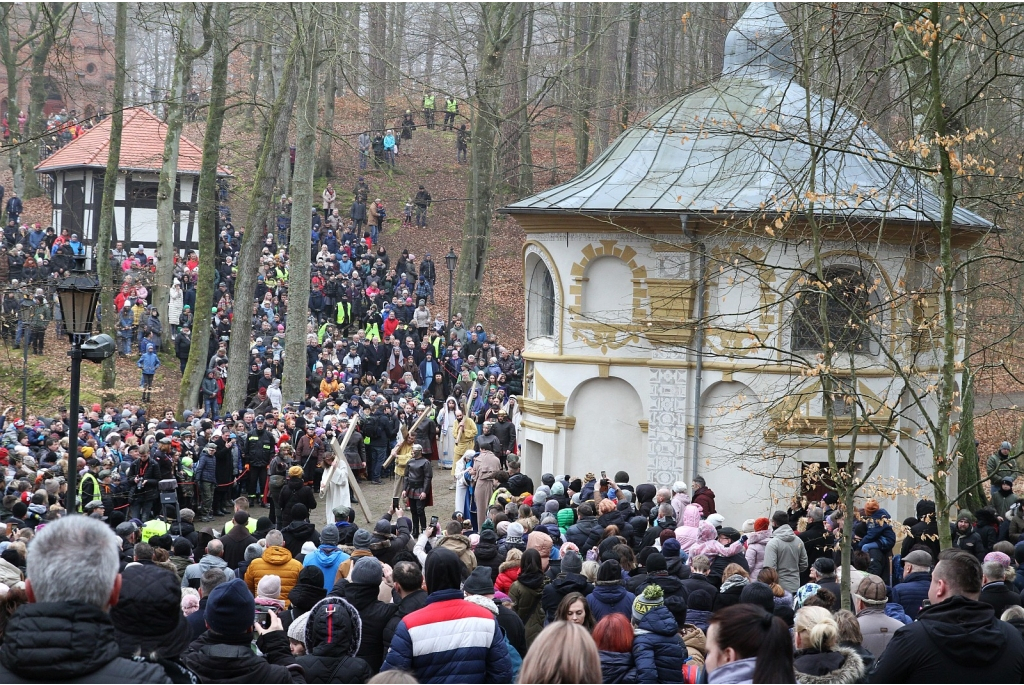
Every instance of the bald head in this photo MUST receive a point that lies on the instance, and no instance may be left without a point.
(215, 548)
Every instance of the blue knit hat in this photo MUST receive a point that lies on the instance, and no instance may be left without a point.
(231, 608)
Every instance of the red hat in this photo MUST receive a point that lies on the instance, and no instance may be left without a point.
(761, 524)
(97, 407)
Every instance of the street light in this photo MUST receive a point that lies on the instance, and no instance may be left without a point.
(451, 260)
(78, 294)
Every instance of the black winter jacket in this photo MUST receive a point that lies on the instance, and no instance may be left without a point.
(298, 532)
(585, 534)
(617, 667)
(956, 641)
(413, 602)
(294, 492)
(331, 658)
(486, 554)
(69, 642)
(558, 588)
(375, 616)
(1000, 596)
(670, 584)
(223, 659)
(235, 542)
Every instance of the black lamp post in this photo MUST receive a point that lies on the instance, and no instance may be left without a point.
(451, 260)
(78, 294)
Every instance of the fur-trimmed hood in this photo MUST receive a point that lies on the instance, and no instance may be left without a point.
(826, 667)
(484, 602)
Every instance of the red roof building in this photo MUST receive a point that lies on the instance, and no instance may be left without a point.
(142, 147)
(77, 170)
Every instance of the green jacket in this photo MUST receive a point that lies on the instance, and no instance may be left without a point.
(428, 102)
(997, 471)
(451, 105)
(41, 315)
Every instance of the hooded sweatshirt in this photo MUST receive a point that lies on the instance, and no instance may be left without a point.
(327, 558)
(786, 554)
(688, 534)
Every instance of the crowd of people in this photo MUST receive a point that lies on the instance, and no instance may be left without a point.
(561, 579)
(478, 571)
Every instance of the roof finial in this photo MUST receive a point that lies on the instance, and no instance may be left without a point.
(760, 45)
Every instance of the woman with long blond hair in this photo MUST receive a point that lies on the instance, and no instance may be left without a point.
(564, 652)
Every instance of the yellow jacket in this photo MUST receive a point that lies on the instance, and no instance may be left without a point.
(276, 561)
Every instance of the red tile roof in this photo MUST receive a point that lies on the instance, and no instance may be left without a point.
(142, 147)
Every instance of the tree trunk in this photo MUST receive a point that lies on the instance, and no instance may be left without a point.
(378, 31)
(256, 72)
(166, 218)
(9, 53)
(101, 252)
(355, 63)
(37, 97)
(435, 21)
(293, 380)
(499, 28)
(324, 160)
(261, 202)
(607, 84)
(196, 367)
(941, 461)
(508, 150)
(629, 78)
(525, 148)
(969, 469)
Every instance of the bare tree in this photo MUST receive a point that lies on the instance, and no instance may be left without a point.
(195, 369)
(166, 217)
(101, 253)
(309, 25)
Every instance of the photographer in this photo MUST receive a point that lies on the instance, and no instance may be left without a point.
(143, 477)
(224, 653)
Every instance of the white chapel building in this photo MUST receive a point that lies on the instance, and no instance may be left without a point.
(666, 283)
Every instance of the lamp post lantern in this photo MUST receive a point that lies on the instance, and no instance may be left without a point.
(78, 294)
(451, 260)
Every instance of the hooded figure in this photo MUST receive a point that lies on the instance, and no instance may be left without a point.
(332, 638)
(274, 393)
(688, 534)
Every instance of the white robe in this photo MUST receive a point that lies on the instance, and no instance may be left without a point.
(335, 484)
(448, 424)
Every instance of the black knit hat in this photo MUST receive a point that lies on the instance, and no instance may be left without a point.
(147, 617)
(656, 562)
(610, 571)
(758, 594)
(479, 582)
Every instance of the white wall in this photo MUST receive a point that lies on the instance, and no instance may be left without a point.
(607, 433)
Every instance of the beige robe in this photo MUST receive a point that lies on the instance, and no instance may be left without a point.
(486, 467)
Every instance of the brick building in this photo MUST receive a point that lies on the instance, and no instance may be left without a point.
(80, 72)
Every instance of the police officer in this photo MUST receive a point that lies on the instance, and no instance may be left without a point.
(259, 450)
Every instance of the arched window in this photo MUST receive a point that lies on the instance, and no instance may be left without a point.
(540, 301)
(848, 313)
